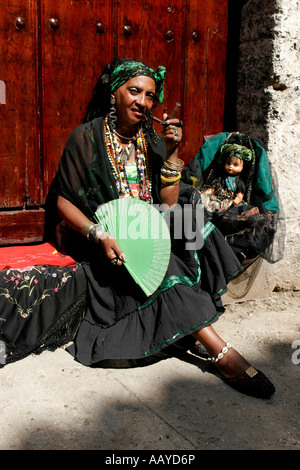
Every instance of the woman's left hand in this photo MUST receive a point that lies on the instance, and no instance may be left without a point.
(172, 134)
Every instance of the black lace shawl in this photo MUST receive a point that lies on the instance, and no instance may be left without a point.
(85, 177)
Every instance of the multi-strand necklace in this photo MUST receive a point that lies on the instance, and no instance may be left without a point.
(118, 164)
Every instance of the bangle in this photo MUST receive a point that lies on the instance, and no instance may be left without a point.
(170, 165)
(99, 232)
(91, 235)
(169, 181)
(85, 228)
(164, 171)
(94, 233)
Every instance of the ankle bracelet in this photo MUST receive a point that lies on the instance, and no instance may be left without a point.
(221, 354)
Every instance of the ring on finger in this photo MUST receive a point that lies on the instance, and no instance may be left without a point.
(175, 131)
(114, 261)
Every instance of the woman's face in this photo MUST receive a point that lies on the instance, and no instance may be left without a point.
(233, 166)
(134, 98)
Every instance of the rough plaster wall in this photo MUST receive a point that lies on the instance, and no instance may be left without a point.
(268, 108)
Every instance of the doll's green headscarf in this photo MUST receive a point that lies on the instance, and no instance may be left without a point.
(124, 72)
(236, 150)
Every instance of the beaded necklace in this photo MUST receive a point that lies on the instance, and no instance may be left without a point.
(118, 165)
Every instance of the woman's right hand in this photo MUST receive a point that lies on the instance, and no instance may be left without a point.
(76, 219)
(172, 135)
(111, 249)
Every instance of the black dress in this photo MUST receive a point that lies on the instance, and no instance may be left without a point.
(120, 322)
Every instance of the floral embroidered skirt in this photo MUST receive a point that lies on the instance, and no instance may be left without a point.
(41, 308)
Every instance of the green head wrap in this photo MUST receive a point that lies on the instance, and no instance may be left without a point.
(236, 150)
(124, 72)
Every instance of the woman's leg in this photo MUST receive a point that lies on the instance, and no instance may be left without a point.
(232, 363)
(236, 371)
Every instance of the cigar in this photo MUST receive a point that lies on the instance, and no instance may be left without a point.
(163, 123)
(170, 116)
(174, 111)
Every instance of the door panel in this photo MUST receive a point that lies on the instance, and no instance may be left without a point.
(206, 33)
(19, 158)
(216, 47)
(195, 77)
(76, 42)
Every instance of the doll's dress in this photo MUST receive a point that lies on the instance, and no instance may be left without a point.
(222, 196)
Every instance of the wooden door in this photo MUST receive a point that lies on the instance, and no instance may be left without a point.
(51, 54)
(20, 185)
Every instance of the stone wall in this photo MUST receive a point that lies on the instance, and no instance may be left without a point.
(268, 109)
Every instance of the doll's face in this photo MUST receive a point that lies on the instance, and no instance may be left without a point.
(233, 166)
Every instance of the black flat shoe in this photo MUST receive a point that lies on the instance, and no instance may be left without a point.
(253, 383)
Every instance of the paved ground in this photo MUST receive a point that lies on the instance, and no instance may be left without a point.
(172, 403)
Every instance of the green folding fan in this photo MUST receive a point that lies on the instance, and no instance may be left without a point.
(143, 236)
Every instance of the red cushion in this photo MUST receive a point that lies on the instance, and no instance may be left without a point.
(26, 256)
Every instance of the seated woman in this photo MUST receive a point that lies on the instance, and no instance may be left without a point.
(120, 322)
(117, 154)
(232, 176)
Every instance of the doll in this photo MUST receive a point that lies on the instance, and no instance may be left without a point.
(223, 193)
(229, 187)
(244, 206)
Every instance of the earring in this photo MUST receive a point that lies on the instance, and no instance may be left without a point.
(112, 113)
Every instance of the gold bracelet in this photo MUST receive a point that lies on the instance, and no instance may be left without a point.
(170, 180)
